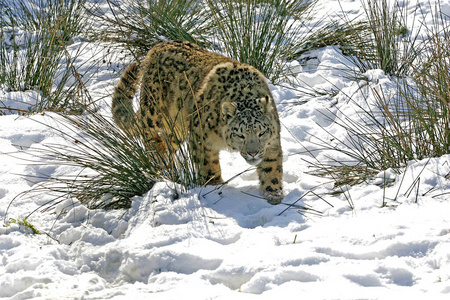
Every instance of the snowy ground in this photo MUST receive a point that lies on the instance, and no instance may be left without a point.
(229, 245)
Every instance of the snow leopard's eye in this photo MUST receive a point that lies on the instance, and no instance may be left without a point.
(241, 136)
(263, 132)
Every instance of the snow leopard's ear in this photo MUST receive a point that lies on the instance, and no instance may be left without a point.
(228, 110)
(265, 104)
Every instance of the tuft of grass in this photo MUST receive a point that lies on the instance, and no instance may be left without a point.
(347, 35)
(259, 33)
(33, 44)
(23, 223)
(113, 166)
(139, 25)
(383, 39)
(362, 152)
(429, 98)
(388, 130)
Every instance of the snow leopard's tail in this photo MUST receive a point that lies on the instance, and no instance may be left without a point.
(122, 99)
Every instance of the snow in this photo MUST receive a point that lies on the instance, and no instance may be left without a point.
(227, 244)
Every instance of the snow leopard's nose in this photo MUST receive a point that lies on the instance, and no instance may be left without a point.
(252, 157)
(252, 154)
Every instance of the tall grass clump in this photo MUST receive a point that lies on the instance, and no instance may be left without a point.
(112, 166)
(366, 147)
(138, 25)
(406, 121)
(347, 35)
(260, 33)
(33, 44)
(386, 40)
(429, 98)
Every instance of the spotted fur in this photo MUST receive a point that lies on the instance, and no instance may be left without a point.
(227, 103)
